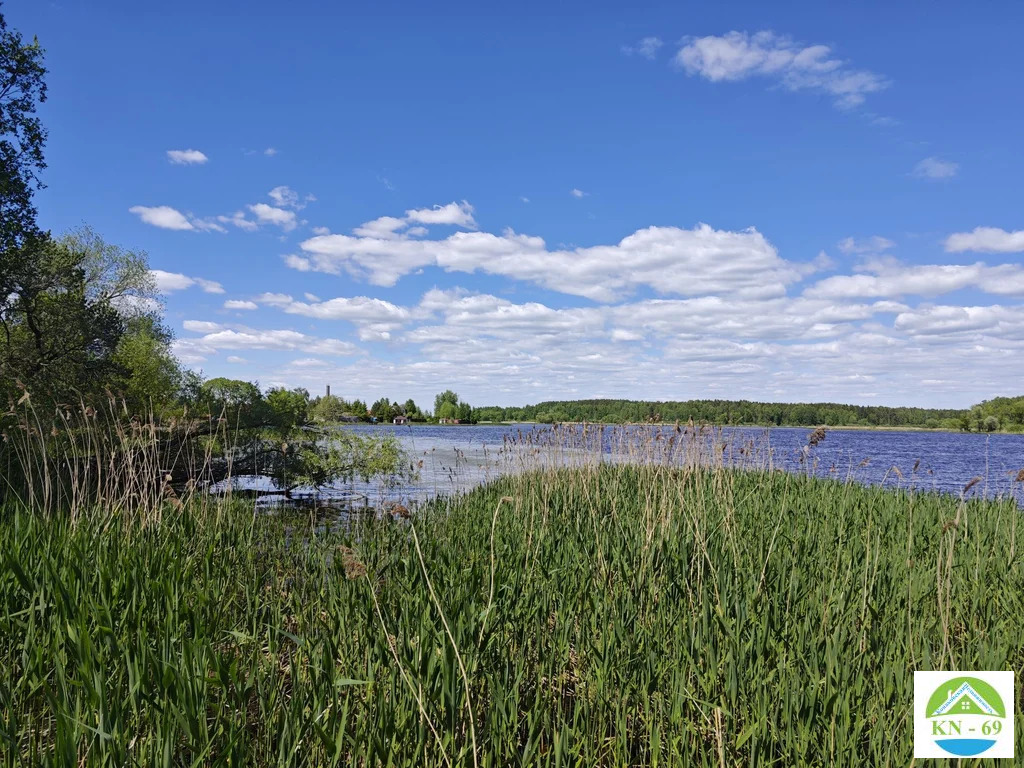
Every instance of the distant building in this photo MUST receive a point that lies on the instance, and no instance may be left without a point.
(400, 420)
(449, 421)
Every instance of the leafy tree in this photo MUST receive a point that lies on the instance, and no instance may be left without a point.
(287, 407)
(150, 379)
(74, 299)
(233, 395)
(445, 397)
(329, 409)
(22, 137)
(446, 410)
(383, 410)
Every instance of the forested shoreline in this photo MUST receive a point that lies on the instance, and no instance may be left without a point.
(999, 414)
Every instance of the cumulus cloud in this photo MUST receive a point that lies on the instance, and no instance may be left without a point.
(648, 47)
(166, 217)
(666, 259)
(162, 216)
(286, 197)
(168, 282)
(891, 278)
(186, 157)
(268, 214)
(239, 304)
(934, 168)
(945, 321)
(577, 193)
(739, 55)
(375, 319)
(986, 240)
(238, 219)
(216, 337)
(453, 214)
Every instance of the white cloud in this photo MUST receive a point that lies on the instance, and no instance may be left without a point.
(891, 278)
(739, 55)
(524, 199)
(986, 240)
(386, 227)
(268, 214)
(165, 217)
(667, 259)
(238, 304)
(321, 231)
(167, 282)
(648, 47)
(219, 338)
(873, 244)
(236, 359)
(934, 168)
(269, 151)
(201, 326)
(162, 216)
(299, 263)
(186, 157)
(577, 193)
(284, 196)
(453, 214)
(239, 220)
(946, 321)
(375, 319)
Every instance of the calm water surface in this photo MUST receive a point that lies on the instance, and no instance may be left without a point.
(457, 458)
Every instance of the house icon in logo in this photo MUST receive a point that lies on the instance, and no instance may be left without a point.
(965, 701)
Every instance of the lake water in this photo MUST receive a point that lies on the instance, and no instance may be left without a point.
(450, 459)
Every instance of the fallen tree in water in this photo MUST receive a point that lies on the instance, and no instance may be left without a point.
(70, 456)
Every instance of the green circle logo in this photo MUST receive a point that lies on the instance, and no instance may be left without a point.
(966, 715)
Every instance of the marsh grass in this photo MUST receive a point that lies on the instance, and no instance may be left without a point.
(662, 608)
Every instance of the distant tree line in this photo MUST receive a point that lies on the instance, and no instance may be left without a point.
(746, 412)
(1004, 414)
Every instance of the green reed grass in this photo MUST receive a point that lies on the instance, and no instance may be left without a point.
(592, 615)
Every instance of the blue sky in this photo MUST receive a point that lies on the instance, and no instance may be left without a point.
(747, 200)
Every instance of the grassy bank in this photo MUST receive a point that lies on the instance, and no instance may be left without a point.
(588, 616)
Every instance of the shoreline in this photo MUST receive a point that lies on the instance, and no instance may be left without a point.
(850, 427)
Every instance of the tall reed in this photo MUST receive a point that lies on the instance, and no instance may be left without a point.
(660, 608)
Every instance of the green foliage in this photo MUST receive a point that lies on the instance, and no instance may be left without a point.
(272, 435)
(445, 397)
(383, 410)
(448, 406)
(346, 456)
(723, 412)
(241, 402)
(149, 378)
(1007, 412)
(288, 407)
(22, 137)
(76, 302)
(329, 409)
(613, 616)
